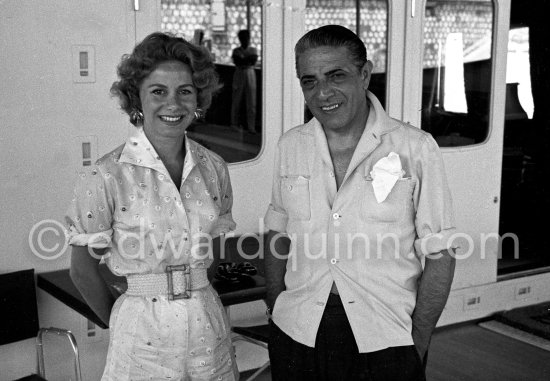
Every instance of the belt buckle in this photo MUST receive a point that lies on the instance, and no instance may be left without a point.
(186, 269)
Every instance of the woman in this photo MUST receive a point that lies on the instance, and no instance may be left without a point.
(154, 202)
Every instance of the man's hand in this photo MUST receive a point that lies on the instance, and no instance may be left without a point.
(433, 291)
(421, 342)
(276, 250)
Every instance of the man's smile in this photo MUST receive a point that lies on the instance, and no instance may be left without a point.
(331, 107)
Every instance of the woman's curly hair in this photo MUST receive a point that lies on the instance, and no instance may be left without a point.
(154, 49)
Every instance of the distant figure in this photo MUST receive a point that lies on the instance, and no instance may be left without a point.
(244, 81)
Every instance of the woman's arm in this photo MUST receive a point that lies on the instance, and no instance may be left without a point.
(87, 279)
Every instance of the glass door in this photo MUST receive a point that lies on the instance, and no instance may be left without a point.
(454, 88)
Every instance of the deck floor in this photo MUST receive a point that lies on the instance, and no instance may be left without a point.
(468, 352)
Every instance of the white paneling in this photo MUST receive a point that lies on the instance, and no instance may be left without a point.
(147, 18)
(494, 297)
(473, 172)
(396, 63)
(293, 99)
(41, 112)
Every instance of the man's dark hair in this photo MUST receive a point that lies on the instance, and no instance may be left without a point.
(335, 36)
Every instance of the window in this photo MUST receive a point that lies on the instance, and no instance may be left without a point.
(456, 78)
(232, 126)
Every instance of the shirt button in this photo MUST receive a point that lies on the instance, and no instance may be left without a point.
(290, 187)
(334, 261)
(320, 304)
(331, 174)
(336, 216)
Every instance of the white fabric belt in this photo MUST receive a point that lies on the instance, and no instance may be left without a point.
(158, 284)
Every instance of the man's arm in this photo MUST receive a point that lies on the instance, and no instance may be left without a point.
(88, 280)
(276, 252)
(433, 291)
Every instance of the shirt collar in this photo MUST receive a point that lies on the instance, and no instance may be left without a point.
(194, 153)
(378, 122)
(139, 151)
(375, 127)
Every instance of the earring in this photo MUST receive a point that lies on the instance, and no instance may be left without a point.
(199, 114)
(136, 117)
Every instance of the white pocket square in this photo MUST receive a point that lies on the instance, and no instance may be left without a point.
(385, 174)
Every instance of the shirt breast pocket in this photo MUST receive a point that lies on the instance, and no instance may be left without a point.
(397, 204)
(296, 197)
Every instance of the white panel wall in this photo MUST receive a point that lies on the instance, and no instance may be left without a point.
(41, 111)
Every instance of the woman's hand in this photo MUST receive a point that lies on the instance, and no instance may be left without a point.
(88, 280)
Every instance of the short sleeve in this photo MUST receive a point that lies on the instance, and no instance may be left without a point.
(225, 222)
(90, 214)
(276, 217)
(434, 219)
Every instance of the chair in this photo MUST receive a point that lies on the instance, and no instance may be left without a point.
(19, 318)
(258, 335)
(41, 369)
(232, 294)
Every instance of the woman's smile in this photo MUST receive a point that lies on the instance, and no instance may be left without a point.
(169, 100)
(171, 119)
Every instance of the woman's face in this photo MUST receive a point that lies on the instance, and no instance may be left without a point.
(169, 100)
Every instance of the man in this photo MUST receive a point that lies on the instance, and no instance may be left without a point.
(244, 81)
(359, 202)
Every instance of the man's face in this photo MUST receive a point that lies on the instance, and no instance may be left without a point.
(334, 88)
